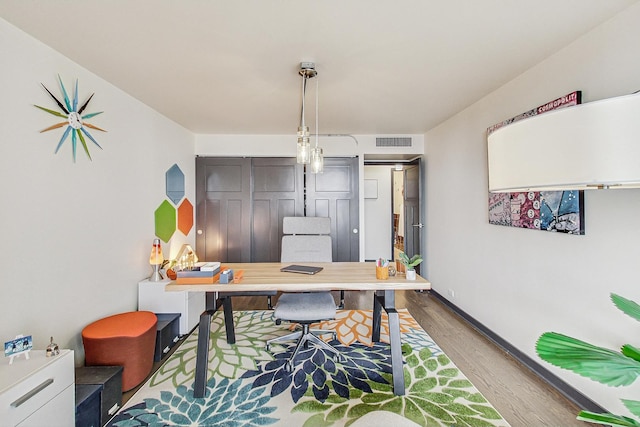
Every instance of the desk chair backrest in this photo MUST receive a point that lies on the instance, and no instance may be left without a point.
(306, 239)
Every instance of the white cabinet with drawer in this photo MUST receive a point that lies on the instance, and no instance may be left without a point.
(152, 297)
(38, 391)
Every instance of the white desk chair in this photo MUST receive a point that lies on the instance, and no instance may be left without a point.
(306, 239)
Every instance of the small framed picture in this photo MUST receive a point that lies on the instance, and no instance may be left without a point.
(18, 345)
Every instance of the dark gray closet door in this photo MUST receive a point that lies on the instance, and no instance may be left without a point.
(278, 191)
(334, 193)
(223, 209)
(240, 204)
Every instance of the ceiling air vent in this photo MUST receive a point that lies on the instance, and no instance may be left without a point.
(393, 142)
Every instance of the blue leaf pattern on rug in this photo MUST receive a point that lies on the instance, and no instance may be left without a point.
(360, 364)
(228, 403)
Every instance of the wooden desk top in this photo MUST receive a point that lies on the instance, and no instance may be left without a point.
(335, 276)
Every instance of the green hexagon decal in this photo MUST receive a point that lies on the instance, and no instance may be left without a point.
(165, 217)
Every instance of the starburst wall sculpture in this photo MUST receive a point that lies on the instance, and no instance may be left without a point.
(74, 120)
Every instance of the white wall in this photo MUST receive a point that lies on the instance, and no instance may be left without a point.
(377, 214)
(285, 145)
(521, 283)
(76, 237)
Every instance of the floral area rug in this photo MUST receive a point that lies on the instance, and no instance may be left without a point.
(249, 386)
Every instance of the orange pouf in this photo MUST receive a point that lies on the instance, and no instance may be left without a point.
(127, 340)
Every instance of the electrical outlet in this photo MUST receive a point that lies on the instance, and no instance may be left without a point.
(451, 293)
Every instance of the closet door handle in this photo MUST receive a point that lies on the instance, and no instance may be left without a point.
(32, 393)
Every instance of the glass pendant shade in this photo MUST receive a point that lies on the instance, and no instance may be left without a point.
(304, 148)
(317, 160)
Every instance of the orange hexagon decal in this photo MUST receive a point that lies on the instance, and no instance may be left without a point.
(185, 216)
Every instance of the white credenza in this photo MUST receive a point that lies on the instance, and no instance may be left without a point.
(190, 305)
(39, 391)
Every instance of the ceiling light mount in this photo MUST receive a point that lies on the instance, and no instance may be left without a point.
(308, 70)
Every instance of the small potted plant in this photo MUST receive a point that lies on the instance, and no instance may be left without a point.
(410, 264)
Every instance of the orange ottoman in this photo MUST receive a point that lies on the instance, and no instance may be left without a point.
(127, 340)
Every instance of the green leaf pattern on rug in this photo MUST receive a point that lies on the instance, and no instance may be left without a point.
(229, 361)
(437, 394)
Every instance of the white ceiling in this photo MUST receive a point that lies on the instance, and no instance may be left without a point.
(384, 66)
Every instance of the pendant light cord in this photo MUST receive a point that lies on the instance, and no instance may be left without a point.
(317, 111)
(304, 95)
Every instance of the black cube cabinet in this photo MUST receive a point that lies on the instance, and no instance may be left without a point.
(88, 405)
(167, 335)
(109, 378)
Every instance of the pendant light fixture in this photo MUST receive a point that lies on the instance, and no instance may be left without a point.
(305, 154)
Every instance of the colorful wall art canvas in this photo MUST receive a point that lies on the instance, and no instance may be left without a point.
(559, 211)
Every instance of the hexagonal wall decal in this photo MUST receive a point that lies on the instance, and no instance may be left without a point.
(185, 216)
(165, 217)
(174, 184)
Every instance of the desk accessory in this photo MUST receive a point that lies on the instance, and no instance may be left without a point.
(382, 269)
(302, 269)
(392, 269)
(19, 345)
(52, 349)
(226, 276)
(207, 266)
(208, 280)
(237, 276)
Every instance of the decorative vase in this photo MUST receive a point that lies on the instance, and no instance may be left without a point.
(411, 274)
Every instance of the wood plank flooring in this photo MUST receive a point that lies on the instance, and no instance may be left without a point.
(519, 395)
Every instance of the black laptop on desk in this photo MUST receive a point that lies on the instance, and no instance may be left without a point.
(302, 269)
